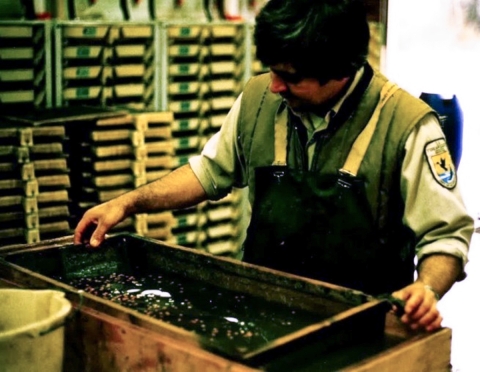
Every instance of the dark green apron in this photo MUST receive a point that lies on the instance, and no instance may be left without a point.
(317, 226)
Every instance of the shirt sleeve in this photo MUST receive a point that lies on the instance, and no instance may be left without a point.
(434, 211)
(220, 166)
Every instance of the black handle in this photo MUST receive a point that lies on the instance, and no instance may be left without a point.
(398, 305)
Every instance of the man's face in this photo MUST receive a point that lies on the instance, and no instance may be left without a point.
(302, 93)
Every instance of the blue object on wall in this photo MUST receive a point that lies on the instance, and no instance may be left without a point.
(451, 120)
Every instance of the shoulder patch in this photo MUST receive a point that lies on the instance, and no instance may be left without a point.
(440, 163)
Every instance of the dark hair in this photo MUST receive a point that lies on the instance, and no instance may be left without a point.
(323, 39)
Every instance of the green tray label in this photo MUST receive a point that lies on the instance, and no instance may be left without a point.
(82, 92)
(184, 124)
(83, 52)
(185, 105)
(83, 72)
(89, 31)
(184, 68)
(185, 31)
(183, 50)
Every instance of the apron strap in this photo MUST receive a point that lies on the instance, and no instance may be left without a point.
(359, 148)
(280, 156)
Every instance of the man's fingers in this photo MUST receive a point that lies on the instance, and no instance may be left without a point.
(430, 321)
(437, 323)
(413, 303)
(98, 235)
(80, 231)
(420, 309)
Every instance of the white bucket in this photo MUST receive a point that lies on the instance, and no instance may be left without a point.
(32, 330)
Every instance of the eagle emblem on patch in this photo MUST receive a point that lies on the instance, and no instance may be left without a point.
(441, 163)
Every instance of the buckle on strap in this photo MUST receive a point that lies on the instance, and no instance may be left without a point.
(345, 178)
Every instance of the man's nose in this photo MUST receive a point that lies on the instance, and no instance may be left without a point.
(277, 84)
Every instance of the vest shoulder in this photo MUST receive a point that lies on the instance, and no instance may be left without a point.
(257, 97)
(411, 106)
(406, 103)
(257, 85)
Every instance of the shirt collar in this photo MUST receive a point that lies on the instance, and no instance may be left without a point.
(336, 108)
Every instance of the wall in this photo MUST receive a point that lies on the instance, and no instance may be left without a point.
(430, 48)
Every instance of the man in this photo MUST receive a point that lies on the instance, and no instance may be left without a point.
(349, 176)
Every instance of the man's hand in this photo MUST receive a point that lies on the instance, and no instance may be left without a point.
(96, 222)
(421, 310)
(179, 189)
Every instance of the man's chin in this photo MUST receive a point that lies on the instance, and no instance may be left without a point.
(296, 106)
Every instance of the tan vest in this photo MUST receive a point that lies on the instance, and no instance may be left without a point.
(382, 163)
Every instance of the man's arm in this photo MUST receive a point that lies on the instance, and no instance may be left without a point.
(439, 272)
(179, 189)
(437, 215)
(436, 275)
(207, 176)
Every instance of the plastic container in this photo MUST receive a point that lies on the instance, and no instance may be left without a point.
(32, 330)
(451, 120)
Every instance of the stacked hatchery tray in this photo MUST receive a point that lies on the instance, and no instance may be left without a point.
(160, 145)
(34, 183)
(39, 163)
(181, 227)
(225, 70)
(206, 70)
(191, 226)
(108, 155)
(216, 227)
(222, 224)
(170, 308)
(183, 84)
(118, 154)
(25, 64)
(18, 188)
(256, 67)
(121, 153)
(106, 64)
